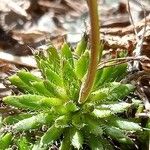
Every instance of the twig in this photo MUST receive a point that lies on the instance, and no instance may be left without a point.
(118, 61)
(140, 40)
(131, 19)
(142, 94)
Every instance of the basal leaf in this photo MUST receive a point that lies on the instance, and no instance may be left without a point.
(82, 45)
(81, 65)
(5, 141)
(28, 77)
(23, 144)
(76, 139)
(70, 80)
(53, 77)
(67, 54)
(50, 136)
(32, 122)
(118, 135)
(125, 124)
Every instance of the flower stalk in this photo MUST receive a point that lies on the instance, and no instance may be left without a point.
(95, 52)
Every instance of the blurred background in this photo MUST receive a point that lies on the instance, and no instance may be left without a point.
(26, 25)
(29, 23)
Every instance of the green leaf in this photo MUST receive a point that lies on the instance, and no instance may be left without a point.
(28, 77)
(40, 88)
(82, 45)
(53, 77)
(117, 107)
(113, 91)
(33, 102)
(112, 73)
(119, 71)
(68, 107)
(37, 147)
(93, 126)
(66, 142)
(15, 118)
(118, 135)
(55, 90)
(102, 113)
(23, 144)
(44, 65)
(15, 80)
(106, 75)
(99, 143)
(67, 54)
(119, 91)
(81, 65)
(99, 95)
(126, 125)
(70, 80)
(32, 122)
(53, 56)
(97, 79)
(62, 121)
(77, 139)
(78, 120)
(50, 136)
(5, 141)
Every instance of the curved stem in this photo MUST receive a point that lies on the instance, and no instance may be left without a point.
(95, 48)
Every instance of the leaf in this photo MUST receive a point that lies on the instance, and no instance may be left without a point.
(55, 90)
(50, 136)
(99, 95)
(40, 89)
(113, 91)
(68, 107)
(53, 77)
(37, 147)
(125, 125)
(97, 79)
(81, 65)
(66, 142)
(119, 91)
(62, 121)
(5, 141)
(23, 144)
(117, 107)
(67, 54)
(102, 113)
(27, 77)
(99, 143)
(95, 144)
(15, 80)
(110, 74)
(93, 126)
(119, 71)
(118, 135)
(53, 56)
(33, 102)
(82, 45)
(78, 120)
(70, 80)
(77, 139)
(15, 118)
(106, 75)
(44, 65)
(32, 122)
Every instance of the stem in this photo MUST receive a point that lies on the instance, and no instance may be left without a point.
(95, 48)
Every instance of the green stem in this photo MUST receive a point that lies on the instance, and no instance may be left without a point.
(95, 48)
